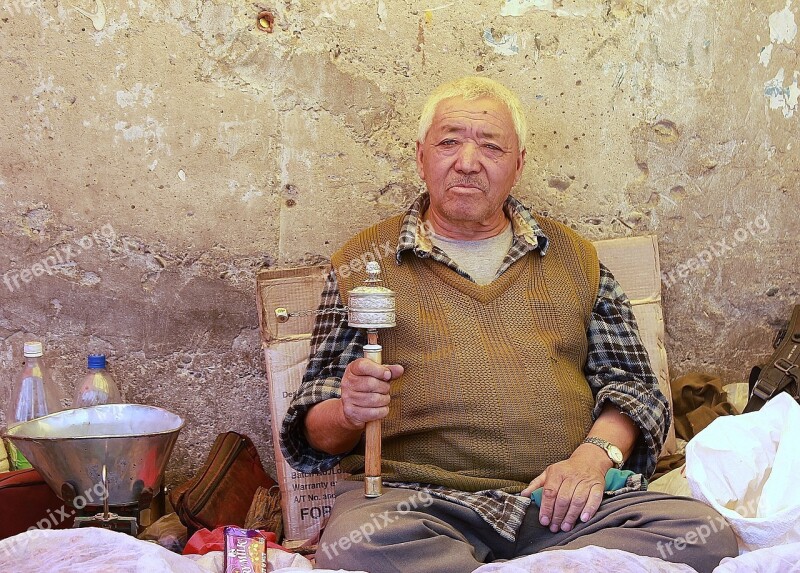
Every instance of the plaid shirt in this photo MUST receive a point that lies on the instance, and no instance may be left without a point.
(617, 368)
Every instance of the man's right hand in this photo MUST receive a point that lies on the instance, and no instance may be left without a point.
(335, 426)
(365, 391)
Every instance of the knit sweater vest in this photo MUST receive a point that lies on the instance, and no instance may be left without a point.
(493, 390)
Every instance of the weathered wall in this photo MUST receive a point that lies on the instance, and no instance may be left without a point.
(152, 162)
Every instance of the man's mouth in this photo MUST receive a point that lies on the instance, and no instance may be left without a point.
(465, 186)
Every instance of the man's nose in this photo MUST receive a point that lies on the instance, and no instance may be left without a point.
(468, 160)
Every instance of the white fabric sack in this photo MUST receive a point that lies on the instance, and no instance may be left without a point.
(90, 550)
(745, 467)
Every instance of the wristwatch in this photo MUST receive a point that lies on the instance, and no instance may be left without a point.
(610, 449)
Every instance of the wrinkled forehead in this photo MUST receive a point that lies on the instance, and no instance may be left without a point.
(485, 115)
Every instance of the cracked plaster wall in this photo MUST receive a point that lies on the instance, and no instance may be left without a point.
(157, 157)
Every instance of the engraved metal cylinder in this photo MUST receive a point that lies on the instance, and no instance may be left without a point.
(371, 306)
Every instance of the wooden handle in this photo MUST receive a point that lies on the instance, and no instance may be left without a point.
(372, 438)
(372, 449)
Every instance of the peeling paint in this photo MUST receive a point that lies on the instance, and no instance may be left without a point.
(766, 55)
(508, 45)
(253, 193)
(139, 94)
(782, 26)
(783, 97)
(520, 7)
(98, 17)
(383, 14)
(151, 131)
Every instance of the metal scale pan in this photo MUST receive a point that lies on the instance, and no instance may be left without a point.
(111, 455)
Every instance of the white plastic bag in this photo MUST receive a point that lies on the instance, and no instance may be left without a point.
(746, 466)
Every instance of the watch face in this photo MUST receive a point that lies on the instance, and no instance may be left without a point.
(615, 454)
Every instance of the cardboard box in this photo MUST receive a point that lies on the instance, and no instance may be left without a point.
(306, 499)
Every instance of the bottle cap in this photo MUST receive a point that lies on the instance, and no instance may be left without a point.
(32, 349)
(96, 361)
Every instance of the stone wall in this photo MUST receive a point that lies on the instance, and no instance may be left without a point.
(154, 154)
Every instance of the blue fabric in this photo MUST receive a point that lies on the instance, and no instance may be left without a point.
(615, 479)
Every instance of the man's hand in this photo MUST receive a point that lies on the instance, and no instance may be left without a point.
(335, 426)
(365, 391)
(573, 489)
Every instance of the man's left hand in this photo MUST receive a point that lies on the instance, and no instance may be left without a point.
(573, 489)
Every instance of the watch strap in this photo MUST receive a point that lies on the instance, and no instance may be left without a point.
(606, 446)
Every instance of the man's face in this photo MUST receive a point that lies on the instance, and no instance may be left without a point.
(470, 160)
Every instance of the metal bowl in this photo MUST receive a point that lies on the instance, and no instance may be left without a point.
(130, 443)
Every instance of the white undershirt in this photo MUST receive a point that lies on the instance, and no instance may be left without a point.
(480, 259)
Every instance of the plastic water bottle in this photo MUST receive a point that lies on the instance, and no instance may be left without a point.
(35, 395)
(98, 386)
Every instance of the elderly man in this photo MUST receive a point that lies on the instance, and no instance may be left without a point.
(515, 366)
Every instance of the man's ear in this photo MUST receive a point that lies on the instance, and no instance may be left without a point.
(520, 166)
(420, 168)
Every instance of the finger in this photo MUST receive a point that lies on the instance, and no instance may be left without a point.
(561, 504)
(366, 367)
(396, 371)
(550, 494)
(361, 415)
(534, 485)
(359, 383)
(580, 497)
(593, 503)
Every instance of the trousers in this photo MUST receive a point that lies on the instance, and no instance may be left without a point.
(409, 531)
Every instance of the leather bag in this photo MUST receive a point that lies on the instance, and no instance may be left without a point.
(223, 490)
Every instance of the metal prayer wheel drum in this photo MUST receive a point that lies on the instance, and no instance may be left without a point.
(371, 306)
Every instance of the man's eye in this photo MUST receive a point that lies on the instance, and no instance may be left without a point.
(493, 147)
(448, 142)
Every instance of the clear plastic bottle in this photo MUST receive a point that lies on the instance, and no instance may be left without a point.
(34, 395)
(98, 386)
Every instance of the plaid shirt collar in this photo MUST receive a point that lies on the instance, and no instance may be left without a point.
(415, 233)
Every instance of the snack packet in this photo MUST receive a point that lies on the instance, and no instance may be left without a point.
(245, 551)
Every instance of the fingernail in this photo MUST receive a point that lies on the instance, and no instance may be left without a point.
(387, 375)
(544, 521)
(585, 517)
(566, 527)
(554, 528)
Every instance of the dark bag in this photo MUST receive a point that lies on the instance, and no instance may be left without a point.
(222, 492)
(781, 373)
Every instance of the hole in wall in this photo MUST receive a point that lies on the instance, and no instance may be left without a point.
(265, 21)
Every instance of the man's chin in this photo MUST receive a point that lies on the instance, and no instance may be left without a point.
(466, 212)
